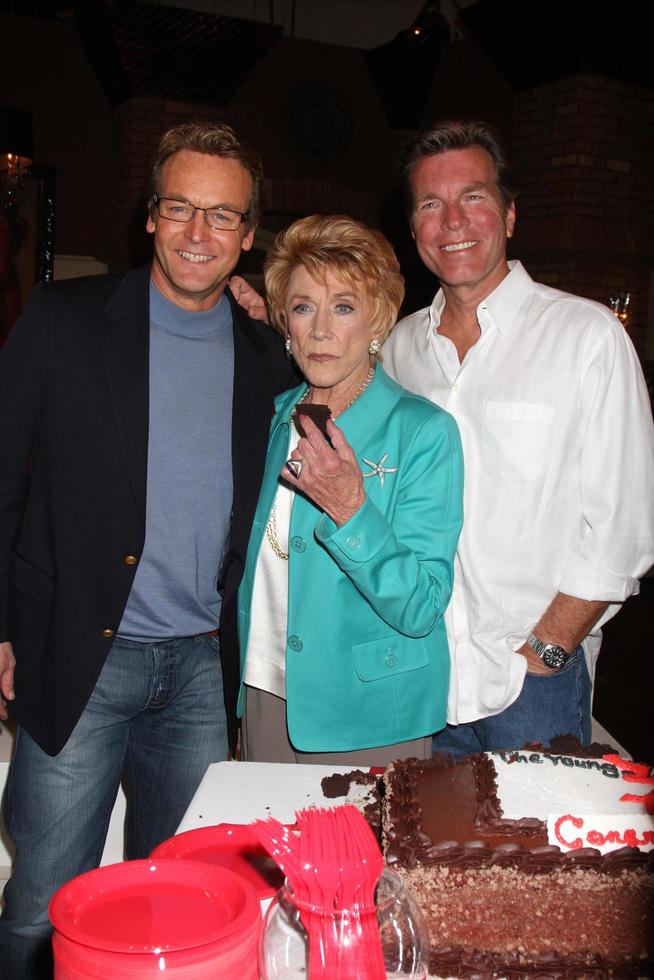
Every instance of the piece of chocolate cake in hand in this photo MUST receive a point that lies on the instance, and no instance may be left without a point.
(318, 415)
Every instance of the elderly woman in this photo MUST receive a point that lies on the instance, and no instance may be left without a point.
(350, 562)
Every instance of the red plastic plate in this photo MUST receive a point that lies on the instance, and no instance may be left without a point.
(158, 904)
(228, 845)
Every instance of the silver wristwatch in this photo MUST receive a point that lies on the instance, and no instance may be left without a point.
(553, 656)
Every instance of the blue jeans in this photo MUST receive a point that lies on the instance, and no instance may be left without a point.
(548, 705)
(156, 717)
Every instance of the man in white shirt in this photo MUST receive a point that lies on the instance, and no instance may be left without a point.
(559, 454)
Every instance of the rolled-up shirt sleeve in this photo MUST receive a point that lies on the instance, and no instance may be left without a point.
(616, 545)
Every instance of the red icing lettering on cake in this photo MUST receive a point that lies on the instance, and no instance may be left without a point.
(634, 772)
(576, 822)
(597, 838)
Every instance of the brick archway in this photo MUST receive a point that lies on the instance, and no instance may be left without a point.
(285, 199)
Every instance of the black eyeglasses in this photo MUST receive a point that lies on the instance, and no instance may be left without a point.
(218, 218)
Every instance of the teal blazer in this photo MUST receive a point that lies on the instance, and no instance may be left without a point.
(367, 661)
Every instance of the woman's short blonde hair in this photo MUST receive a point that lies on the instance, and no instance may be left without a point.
(334, 243)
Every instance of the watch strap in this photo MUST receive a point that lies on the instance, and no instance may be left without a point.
(552, 655)
(538, 646)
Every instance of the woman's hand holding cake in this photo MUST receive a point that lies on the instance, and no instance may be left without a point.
(330, 475)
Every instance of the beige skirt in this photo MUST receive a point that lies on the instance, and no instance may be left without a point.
(264, 738)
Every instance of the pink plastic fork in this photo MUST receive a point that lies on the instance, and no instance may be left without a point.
(283, 847)
(315, 881)
(360, 841)
(332, 865)
(293, 855)
(368, 849)
(333, 869)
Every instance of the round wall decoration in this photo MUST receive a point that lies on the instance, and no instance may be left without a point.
(317, 121)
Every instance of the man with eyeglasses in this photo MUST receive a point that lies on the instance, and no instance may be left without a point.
(135, 413)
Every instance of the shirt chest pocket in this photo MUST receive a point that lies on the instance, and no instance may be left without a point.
(517, 440)
(381, 659)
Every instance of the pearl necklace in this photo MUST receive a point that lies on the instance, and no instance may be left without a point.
(357, 394)
(271, 526)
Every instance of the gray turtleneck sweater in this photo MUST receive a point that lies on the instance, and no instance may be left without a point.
(189, 485)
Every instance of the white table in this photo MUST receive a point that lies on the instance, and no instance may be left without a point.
(239, 792)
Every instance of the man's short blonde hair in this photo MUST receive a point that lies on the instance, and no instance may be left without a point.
(214, 139)
(336, 244)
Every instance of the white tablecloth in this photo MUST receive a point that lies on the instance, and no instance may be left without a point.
(239, 792)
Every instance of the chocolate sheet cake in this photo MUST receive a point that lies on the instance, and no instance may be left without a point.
(501, 902)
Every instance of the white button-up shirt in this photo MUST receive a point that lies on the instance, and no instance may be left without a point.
(558, 446)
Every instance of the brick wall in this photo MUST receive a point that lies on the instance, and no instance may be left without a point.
(286, 198)
(583, 151)
(136, 128)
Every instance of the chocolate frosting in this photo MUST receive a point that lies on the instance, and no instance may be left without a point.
(447, 799)
(408, 844)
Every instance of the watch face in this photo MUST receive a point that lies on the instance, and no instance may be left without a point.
(554, 657)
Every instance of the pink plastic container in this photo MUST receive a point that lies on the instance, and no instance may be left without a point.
(188, 919)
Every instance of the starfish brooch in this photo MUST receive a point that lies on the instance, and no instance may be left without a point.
(378, 469)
